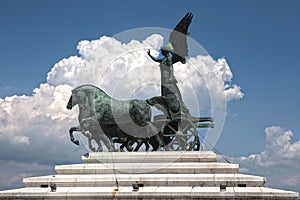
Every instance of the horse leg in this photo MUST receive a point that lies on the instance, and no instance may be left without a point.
(139, 144)
(107, 142)
(72, 129)
(154, 143)
(153, 131)
(127, 145)
(90, 145)
(146, 142)
(92, 134)
(121, 141)
(122, 146)
(100, 149)
(132, 141)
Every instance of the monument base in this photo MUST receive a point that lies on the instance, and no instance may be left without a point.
(148, 175)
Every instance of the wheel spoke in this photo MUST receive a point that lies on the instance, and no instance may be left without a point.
(172, 129)
(185, 128)
(185, 138)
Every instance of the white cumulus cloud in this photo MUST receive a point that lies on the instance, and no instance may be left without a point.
(279, 161)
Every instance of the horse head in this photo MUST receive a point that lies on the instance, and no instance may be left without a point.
(77, 97)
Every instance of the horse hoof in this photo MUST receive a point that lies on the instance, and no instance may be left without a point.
(76, 142)
(129, 148)
(93, 149)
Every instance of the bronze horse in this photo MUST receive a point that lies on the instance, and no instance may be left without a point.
(102, 118)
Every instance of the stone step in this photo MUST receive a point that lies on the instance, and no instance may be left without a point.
(158, 156)
(149, 168)
(161, 192)
(97, 180)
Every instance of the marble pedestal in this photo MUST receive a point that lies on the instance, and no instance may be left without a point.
(159, 175)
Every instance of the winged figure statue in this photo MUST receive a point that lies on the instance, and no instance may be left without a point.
(175, 50)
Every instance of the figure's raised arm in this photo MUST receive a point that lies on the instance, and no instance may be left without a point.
(153, 58)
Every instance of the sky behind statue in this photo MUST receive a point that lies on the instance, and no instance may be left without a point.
(259, 40)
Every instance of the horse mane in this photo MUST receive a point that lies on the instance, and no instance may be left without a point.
(88, 87)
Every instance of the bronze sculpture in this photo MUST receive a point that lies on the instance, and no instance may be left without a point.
(175, 51)
(102, 118)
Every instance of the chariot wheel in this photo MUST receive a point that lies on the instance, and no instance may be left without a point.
(181, 135)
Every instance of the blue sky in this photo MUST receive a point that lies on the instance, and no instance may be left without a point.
(259, 39)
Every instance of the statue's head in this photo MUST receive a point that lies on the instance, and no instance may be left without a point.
(167, 49)
(164, 52)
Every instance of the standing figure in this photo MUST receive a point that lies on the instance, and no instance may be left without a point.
(171, 99)
(175, 51)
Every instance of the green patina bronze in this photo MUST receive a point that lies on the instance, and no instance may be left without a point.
(103, 118)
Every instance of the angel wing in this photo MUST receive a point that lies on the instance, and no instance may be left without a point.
(178, 38)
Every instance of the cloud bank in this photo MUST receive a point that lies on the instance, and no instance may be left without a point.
(279, 161)
(34, 129)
